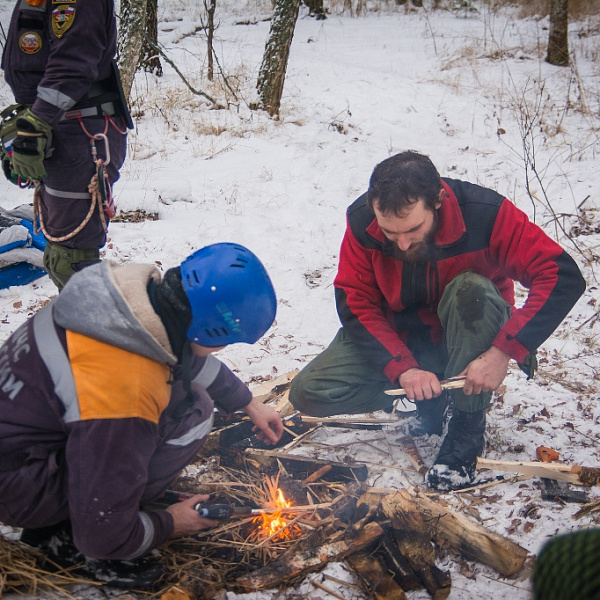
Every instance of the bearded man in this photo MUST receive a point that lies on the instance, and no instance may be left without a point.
(425, 292)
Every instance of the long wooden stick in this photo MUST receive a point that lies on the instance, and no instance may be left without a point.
(448, 384)
(349, 420)
(578, 475)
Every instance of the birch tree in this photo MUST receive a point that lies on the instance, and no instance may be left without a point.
(132, 28)
(274, 64)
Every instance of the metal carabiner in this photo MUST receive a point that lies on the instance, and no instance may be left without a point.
(100, 136)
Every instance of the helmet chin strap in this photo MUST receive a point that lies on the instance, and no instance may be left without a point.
(172, 306)
(186, 379)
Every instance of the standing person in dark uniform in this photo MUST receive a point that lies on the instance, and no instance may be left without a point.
(58, 61)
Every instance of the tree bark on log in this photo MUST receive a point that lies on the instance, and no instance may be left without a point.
(381, 584)
(311, 558)
(453, 530)
(413, 538)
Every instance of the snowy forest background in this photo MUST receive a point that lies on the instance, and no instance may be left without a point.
(465, 82)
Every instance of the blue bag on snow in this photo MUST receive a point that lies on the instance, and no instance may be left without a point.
(21, 250)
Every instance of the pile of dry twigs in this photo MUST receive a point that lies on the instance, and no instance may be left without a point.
(20, 573)
(215, 559)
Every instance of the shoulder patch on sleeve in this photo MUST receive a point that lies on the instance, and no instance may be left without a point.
(30, 42)
(63, 17)
(113, 383)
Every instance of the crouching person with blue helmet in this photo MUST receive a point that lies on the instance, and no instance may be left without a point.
(108, 392)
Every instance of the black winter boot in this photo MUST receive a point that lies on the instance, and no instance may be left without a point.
(430, 418)
(56, 543)
(454, 466)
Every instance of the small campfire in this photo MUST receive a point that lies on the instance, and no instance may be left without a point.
(274, 525)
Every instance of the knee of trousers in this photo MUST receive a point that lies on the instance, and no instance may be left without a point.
(61, 261)
(297, 390)
(472, 297)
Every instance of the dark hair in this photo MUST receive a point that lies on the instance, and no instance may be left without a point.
(401, 180)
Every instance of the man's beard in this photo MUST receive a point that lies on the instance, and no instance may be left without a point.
(421, 252)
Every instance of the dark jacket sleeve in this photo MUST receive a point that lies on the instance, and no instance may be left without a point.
(79, 57)
(108, 464)
(228, 391)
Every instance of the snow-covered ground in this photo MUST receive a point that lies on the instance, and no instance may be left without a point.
(471, 91)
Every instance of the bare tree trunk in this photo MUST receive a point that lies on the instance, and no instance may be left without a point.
(272, 71)
(558, 39)
(150, 61)
(210, 6)
(132, 27)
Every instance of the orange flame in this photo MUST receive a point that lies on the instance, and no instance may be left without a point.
(274, 525)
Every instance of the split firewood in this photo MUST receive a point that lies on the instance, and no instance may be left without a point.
(284, 406)
(396, 563)
(316, 475)
(453, 530)
(269, 390)
(408, 445)
(586, 509)
(413, 539)
(379, 582)
(577, 474)
(312, 557)
(552, 489)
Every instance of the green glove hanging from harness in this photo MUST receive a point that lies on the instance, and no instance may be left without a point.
(8, 133)
(29, 147)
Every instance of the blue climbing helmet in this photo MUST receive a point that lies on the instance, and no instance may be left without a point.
(230, 293)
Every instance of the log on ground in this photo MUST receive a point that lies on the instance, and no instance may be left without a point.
(311, 557)
(449, 529)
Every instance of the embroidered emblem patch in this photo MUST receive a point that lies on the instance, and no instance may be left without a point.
(30, 42)
(62, 18)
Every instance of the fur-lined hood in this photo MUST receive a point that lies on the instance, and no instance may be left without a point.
(109, 302)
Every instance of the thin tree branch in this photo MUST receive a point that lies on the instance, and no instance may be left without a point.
(181, 75)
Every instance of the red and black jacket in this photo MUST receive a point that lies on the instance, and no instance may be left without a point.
(384, 303)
